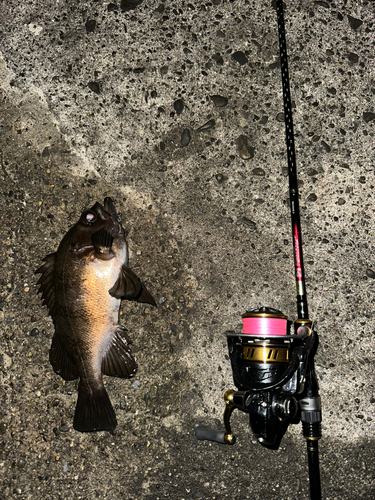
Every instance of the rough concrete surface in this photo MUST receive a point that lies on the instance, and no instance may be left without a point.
(102, 98)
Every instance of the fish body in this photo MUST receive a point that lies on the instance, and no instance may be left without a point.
(82, 285)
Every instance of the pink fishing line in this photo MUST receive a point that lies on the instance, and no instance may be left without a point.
(264, 326)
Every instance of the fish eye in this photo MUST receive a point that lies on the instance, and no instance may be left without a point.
(88, 217)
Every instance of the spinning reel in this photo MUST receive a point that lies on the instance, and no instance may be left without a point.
(273, 360)
(270, 367)
(273, 370)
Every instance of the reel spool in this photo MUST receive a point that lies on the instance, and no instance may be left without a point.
(260, 355)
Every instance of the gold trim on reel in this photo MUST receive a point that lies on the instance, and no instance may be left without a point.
(259, 314)
(263, 354)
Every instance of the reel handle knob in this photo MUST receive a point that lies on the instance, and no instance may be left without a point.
(204, 432)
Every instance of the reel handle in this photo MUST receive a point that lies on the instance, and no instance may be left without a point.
(204, 432)
(233, 399)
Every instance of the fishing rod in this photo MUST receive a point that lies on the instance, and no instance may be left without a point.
(273, 360)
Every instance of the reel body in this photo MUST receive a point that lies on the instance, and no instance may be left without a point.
(270, 367)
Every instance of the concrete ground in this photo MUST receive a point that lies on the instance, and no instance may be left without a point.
(173, 109)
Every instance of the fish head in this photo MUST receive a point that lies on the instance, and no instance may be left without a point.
(98, 233)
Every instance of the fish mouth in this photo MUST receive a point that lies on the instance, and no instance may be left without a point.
(107, 211)
(110, 208)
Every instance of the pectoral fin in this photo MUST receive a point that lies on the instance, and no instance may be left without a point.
(129, 287)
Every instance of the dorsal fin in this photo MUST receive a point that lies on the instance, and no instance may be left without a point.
(46, 281)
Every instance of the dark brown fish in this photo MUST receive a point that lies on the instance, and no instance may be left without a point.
(82, 285)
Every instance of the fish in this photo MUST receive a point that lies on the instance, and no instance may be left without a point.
(82, 285)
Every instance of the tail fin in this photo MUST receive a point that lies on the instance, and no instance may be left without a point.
(94, 411)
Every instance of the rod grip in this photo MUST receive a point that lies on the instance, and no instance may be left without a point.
(204, 432)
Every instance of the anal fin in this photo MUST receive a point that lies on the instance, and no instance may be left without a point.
(119, 360)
